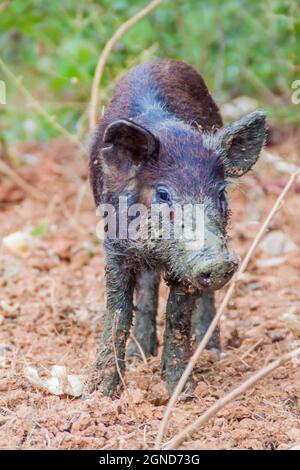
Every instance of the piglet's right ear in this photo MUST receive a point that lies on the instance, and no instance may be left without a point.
(126, 140)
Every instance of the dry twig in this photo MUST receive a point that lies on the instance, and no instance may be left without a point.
(105, 54)
(139, 348)
(189, 430)
(221, 309)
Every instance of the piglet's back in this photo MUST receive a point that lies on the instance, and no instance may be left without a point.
(177, 86)
(171, 85)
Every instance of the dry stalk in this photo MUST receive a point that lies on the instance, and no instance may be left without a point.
(221, 309)
(105, 54)
(189, 430)
(39, 109)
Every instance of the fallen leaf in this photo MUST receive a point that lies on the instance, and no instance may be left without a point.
(58, 384)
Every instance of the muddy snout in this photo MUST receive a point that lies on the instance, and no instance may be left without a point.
(217, 272)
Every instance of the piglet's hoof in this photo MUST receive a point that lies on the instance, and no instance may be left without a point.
(106, 382)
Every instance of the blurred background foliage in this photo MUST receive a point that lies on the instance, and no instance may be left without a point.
(241, 47)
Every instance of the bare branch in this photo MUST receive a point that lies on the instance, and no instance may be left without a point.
(105, 54)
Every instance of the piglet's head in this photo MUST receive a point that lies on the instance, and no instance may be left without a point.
(174, 166)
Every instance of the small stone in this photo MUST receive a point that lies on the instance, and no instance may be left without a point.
(158, 394)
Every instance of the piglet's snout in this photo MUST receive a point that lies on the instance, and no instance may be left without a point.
(216, 273)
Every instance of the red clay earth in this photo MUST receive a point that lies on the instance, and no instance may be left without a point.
(51, 312)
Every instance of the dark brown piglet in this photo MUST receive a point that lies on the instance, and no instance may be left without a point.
(161, 143)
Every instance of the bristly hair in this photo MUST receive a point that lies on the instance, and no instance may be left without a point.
(185, 160)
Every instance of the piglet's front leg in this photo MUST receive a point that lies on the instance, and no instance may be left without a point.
(177, 348)
(119, 293)
(147, 285)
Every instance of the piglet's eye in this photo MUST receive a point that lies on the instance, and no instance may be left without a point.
(162, 195)
(222, 199)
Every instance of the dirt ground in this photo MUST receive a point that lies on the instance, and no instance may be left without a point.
(52, 305)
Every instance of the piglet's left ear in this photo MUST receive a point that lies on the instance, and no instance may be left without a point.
(240, 143)
(125, 140)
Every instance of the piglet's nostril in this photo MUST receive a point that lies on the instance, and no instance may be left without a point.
(206, 275)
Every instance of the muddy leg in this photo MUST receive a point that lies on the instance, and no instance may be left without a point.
(147, 285)
(119, 291)
(177, 351)
(202, 316)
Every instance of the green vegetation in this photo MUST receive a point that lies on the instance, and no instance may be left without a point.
(41, 229)
(241, 47)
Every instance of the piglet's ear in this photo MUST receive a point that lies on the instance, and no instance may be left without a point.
(125, 140)
(240, 143)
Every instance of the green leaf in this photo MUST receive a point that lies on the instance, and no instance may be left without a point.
(41, 229)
